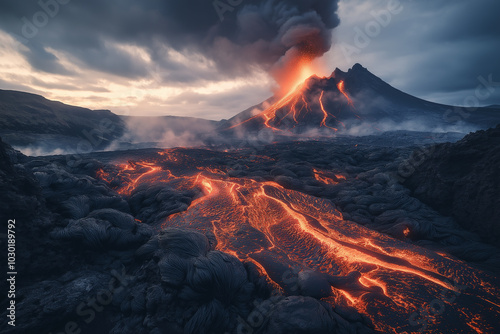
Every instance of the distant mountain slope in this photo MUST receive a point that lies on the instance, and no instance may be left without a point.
(39, 126)
(355, 102)
(29, 119)
(346, 100)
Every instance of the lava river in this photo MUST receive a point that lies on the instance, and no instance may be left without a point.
(401, 287)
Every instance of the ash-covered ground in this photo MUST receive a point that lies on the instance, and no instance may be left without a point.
(346, 235)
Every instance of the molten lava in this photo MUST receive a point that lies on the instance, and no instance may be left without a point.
(341, 87)
(327, 178)
(325, 113)
(303, 105)
(277, 228)
(293, 74)
(294, 105)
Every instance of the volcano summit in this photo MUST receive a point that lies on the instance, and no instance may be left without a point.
(347, 102)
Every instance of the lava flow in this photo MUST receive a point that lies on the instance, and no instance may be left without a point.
(339, 261)
(308, 105)
(292, 109)
(341, 87)
(294, 106)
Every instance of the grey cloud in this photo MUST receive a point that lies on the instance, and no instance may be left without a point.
(87, 30)
(8, 85)
(434, 48)
(68, 86)
(43, 60)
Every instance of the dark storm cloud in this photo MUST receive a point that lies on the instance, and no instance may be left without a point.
(43, 60)
(432, 49)
(252, 33)
(462, 42)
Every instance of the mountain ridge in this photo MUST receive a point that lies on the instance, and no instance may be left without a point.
(355, 102)
(347, 100)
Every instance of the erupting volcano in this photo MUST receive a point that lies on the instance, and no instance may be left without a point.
(349, 102)
(305, 226)
(295, 106)
(305, 245)
(339, 204)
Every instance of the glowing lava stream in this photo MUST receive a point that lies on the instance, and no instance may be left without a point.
(325, 113)
(270, 113)
(267, 224)
(341, 87)
(277, 228)
(292, 98)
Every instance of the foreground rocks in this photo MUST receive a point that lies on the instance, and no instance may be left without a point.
(462, 180)
(86, 263)
(90, 258)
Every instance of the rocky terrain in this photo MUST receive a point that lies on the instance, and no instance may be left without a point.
(461, 180)
(85, 261)
(95, 254)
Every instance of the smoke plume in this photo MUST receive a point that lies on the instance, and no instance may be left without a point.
(225, 39)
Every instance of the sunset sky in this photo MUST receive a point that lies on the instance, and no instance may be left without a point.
(178, 58)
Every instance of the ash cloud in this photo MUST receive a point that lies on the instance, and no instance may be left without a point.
(255, 34)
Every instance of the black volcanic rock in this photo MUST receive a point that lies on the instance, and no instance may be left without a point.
(77, 242)
(21, 200)
(462, 180)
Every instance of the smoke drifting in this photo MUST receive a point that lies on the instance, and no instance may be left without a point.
(165, 132)
(269, 35)
(293, 34)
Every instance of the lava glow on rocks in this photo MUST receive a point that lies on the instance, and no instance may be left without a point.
(296, 108)
(276, 228)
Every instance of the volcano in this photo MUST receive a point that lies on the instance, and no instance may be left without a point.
(333, 234)
(347, 100)
(355, 102)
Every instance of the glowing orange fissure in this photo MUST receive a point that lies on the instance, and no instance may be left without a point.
(272, 120)
(327, 178)
(341, 87)
(291, 99)
(307, 230)
(302, 72)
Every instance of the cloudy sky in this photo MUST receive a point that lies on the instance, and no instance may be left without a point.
(188, 58)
